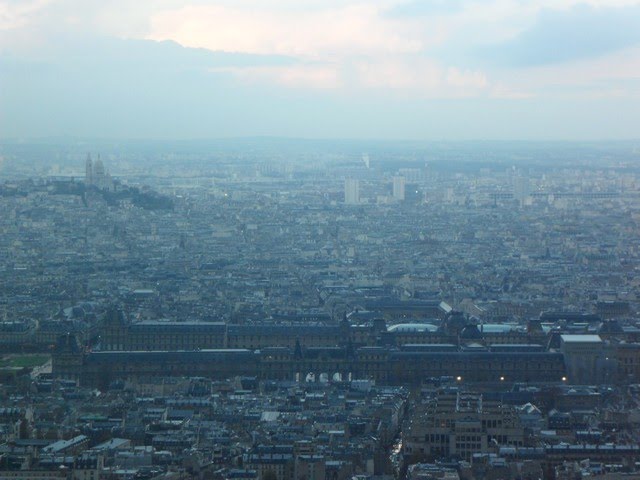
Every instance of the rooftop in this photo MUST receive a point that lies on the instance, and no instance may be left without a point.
(581, 338)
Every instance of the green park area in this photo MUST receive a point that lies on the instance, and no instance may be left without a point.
(24, 361)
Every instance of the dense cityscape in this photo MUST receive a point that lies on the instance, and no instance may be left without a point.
(312, 310)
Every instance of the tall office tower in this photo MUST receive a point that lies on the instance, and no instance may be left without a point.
(365, 159)
(88, 170)
(448, 195)
(351, 191)
(521, 188)
(398, 188)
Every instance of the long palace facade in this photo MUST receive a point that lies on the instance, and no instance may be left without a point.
(405, 353)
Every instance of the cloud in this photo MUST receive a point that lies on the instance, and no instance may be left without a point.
(98, 86)
(558, 36)
(345, 47)
(85, 51)
(16, 14)
(615, 75)
(417, 75)
(388, 68)
(338, 47)
(349, 30)
(502, 91)
(323, 77)
(466, 78)
(414, 8)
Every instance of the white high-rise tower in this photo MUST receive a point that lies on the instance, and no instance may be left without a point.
(398, 187)
(351, 191)
(521, 188)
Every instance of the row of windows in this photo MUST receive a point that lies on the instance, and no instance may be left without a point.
(465, 367)
(474, 447)
(437, 438)
(491, 423)
(628, 360)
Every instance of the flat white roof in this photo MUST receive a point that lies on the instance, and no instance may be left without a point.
(581, 338)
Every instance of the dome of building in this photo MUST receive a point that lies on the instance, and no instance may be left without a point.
(499, 327)
(470, 332)
(454, 322)
(412, 327)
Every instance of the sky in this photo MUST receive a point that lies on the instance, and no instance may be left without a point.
(387, 69)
